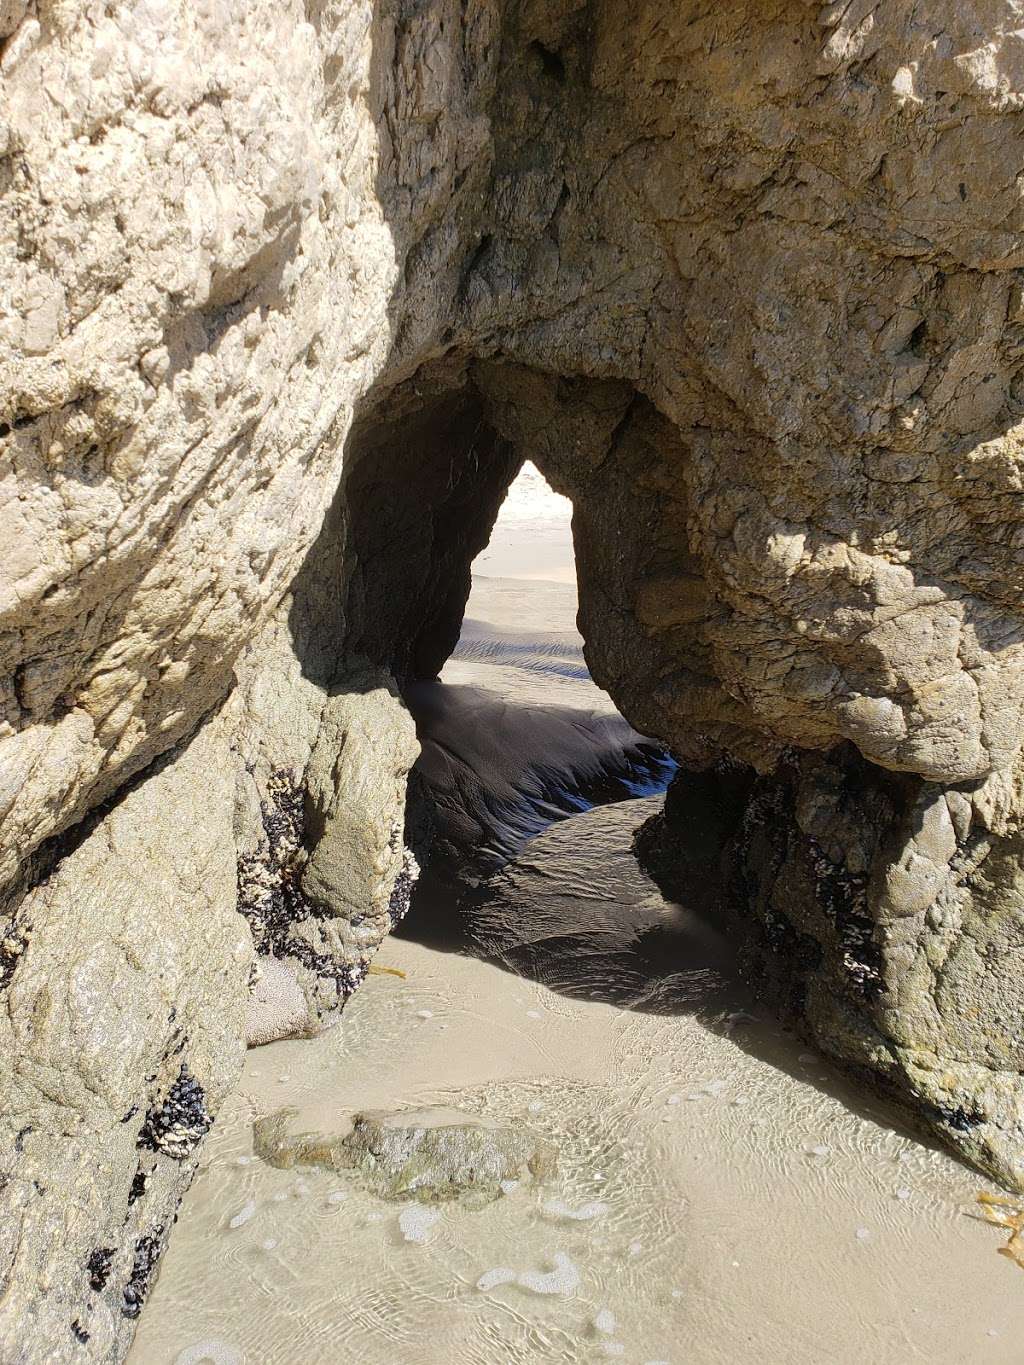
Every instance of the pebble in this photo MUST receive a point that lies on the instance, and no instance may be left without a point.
(534, 1107)
(741, 1099)
(635, 1248)
(903, 1193)
(863, 1234)
(604, 1321)
(672, 1099)
(244, 1160)
(424, 1014)
(819, 1149)
(269, 1243)
(243, 1215)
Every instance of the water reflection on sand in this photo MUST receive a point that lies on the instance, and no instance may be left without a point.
(722, 1194)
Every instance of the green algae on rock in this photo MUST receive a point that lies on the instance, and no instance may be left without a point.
(433, 1155)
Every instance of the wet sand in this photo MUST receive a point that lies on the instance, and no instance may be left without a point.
(722, 1194)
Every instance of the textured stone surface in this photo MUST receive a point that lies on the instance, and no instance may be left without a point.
(288, 290)
(120, 1035)
(431, 1155)
(320, 785)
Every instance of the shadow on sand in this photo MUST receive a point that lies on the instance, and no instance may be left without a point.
(572, 909)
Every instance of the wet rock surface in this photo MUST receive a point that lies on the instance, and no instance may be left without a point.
(121, 1037)
(879, 916)
(430, 1155)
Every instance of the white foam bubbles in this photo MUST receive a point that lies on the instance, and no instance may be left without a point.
(243, 1215)
(564, 1279)
(558, 1208)
(416, 1221)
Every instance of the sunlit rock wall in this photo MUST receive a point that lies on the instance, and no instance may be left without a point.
(744, 279)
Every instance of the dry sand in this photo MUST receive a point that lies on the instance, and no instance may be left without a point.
(722, 1195)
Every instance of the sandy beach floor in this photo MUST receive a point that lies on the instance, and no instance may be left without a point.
(722, 1194)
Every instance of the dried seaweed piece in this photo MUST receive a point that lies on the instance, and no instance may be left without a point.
(1004, 1212)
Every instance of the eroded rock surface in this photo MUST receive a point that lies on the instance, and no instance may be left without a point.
(121, 1034)
(431, 1155)
(289, 290)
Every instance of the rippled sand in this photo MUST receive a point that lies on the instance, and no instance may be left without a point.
(722, 1195)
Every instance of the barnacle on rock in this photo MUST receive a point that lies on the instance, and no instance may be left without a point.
(401, 894)
(147, 1254)
(98, 1266)
(180, 1122)
(12, 945)
(271, 898)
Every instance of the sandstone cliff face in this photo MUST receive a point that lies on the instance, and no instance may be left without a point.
(289, 290)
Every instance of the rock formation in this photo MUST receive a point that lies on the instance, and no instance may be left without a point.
(288, 292)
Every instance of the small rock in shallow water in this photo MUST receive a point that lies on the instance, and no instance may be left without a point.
(431, 1155)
